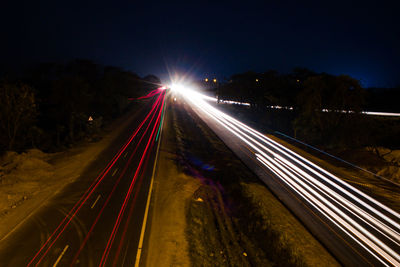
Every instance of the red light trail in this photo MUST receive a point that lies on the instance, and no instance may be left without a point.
(155, 109)
(151, 94)
(114, 187)
(128, 195)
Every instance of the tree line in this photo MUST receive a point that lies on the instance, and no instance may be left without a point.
(48, 106)
(319, 108)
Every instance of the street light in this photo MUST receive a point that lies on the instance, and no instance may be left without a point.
(206, 79)
(256, 80)
(214, 80)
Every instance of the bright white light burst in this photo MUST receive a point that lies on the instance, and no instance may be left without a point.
(177, 88)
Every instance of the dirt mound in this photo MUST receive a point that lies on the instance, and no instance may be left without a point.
(392, 159)
(387, 154)
(26, 161)
(21, 176)
(393, 156)
(393, 172)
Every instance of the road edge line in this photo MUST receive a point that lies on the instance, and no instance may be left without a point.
(140, 246)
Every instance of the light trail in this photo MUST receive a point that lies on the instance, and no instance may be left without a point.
(130, 212)
(370, 113)
(337, 158)
(127, 197)
(371, 225)
(375, 113)
(114, 188)
(150, 94)
(129, 215)
(78, 205)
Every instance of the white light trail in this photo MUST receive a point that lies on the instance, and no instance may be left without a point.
(368, 222)
(371, 113)
(375, 113)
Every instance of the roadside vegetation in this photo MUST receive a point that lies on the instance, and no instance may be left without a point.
(322, 110)
(48, 106)
(318, 108)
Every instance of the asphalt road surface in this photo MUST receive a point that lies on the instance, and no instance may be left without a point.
(356, 228)
(98, 219)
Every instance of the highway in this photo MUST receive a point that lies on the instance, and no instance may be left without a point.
(357, 229)
(98, 220)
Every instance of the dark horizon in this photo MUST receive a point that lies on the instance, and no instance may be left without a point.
(208, 39)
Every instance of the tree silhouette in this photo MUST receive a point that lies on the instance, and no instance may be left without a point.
(17, 113)
(329, 109)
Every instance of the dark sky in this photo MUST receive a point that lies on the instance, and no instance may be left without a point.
(359, 38)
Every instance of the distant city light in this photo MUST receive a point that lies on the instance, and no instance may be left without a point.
(214, 80)
(256, 80)
(206, 79)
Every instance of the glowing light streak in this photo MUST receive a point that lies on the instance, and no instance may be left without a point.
(371, 113)
(374, 113)
(278, 173)
(112, 191)
(235, 102)
(298, 159)
(162, 116)
(151, 94)
(130, 213)
(277, 155)
(343, 218)
(387, 229)
(127, 197)
(334, 157)
(330, 203)
(71, 214)
(343, 202)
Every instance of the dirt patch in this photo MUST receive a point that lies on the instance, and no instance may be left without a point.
(167, 243)
(213, 235)
(288, 232)
(391, 158)
(21, 177)
(226, 225)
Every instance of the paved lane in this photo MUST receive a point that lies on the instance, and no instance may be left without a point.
(96, 220)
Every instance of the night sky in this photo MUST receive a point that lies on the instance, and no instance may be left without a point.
(361, 38)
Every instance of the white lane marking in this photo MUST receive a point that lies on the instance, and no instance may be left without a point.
(146, 212)
(97, 199)
(61, 255)
(114, 172)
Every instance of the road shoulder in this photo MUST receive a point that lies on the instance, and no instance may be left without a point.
(41, 183)
(222, 215)
(166, 243)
